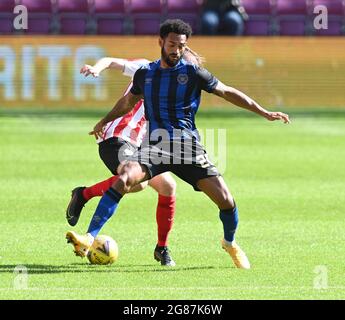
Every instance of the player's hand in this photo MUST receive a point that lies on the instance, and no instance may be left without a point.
(272, 116)
(98, 130)
(86, 70)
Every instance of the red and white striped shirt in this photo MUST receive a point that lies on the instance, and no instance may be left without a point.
(132, 126)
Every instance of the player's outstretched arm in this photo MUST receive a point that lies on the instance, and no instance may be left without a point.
(122, 107)
(240, 99)
(103, 64)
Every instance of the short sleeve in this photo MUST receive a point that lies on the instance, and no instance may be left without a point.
(131, 66)
(207, 81)
(138, 81)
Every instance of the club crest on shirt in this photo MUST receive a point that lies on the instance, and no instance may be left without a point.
(182, 78)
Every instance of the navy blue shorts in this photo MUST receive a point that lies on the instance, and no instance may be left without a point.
(115, 150)
(190, 162)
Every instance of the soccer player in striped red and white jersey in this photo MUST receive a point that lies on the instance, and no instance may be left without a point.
(120, 139)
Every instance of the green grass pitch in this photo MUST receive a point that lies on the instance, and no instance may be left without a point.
(288, 181)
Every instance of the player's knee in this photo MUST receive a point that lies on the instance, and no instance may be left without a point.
(123, 167)
(127, 177)
(131, 181)
(121, 185)
(139, 187)
(127, 167)
(164, 185)
(169, 187)
(226, 201)
(172, 188)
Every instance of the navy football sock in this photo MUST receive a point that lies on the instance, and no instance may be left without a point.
(229, 218)
(105, 209)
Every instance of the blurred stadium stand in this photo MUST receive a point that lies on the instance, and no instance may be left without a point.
(292, 17)
(41, 16)
(110, 16)
(266, 17)
(6, 16)
(189, 11)
(260, 17)
(145, 16)
(336, 17)
(73, 16)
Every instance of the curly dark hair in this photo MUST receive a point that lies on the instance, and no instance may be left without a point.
(176, 26)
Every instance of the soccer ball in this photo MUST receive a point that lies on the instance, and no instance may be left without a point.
(104, 250)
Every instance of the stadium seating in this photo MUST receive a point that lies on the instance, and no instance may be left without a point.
(73, 16)
(110, 16)
(292, 17)
(260, 16)
(189, 11)
(266, 17)
(40, 16)
(146, 16)
(6, 16)
(336, 16)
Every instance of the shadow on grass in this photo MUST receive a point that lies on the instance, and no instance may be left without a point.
(87, 268)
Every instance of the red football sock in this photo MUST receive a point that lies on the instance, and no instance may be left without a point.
(99, 188)
(165, 217)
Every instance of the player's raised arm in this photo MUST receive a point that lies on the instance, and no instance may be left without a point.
(122, 107)
(240, 99)
(128, 67)
(101, 65)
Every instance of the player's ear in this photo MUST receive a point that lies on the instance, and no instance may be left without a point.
(160, 42)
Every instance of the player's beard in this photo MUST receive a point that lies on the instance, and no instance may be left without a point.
(170, 62)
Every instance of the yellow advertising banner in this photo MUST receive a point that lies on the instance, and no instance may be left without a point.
(43, 71)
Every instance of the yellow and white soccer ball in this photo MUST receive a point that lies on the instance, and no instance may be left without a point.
(104, 250)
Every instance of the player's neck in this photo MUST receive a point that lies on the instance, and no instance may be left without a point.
(164, 65)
